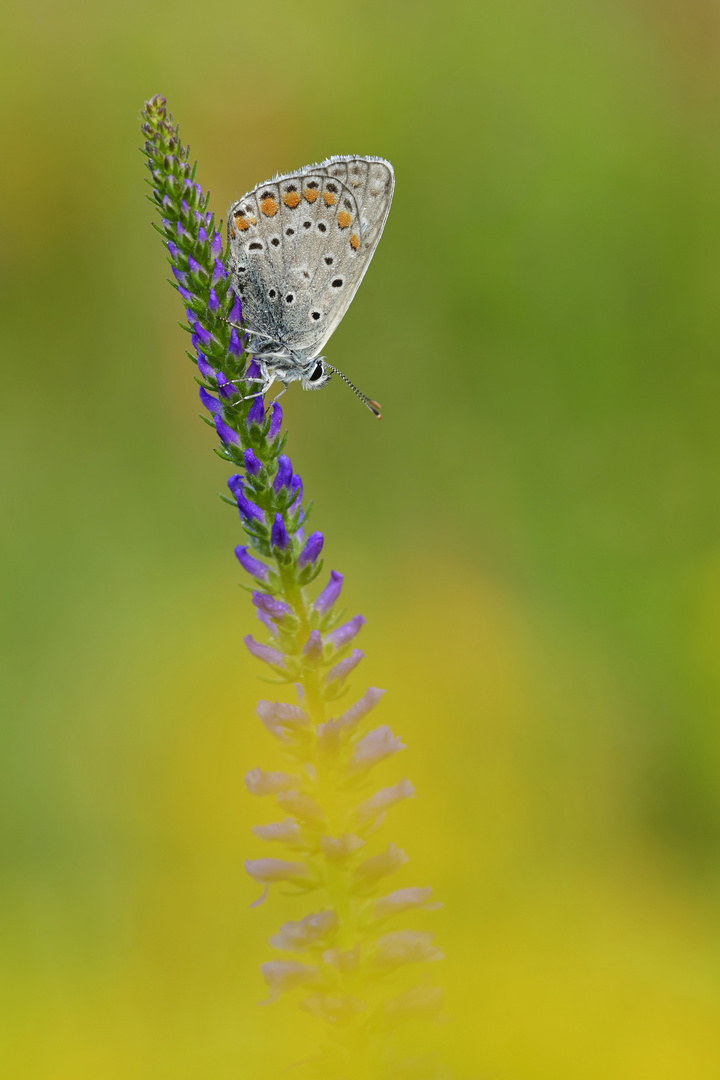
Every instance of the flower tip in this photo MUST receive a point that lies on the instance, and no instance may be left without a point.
(312, 549)
(211, 404)
(256, 412)
(252, 565)
(330, 593)
(227, 435)
(235, 315)
(275, 420)
(279, 537)
(235, 347)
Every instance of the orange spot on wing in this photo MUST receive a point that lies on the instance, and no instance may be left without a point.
(269, 207)
(291, 199)
(328, 197)
(354, 241)
(253, 221)
(310, 194)
(233, 234)
(344, 219)
(241, 223)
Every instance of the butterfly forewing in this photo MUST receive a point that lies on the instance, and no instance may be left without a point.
(301, 243)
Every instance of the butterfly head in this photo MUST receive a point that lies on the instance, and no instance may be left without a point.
(315, 375)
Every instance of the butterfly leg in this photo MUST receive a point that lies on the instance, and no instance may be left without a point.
(261, 393)
(276, 398)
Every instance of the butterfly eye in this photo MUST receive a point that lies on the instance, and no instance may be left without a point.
(317, 373)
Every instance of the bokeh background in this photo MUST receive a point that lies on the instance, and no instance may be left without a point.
(532, 531)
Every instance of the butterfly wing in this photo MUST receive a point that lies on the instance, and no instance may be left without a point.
(301, 244)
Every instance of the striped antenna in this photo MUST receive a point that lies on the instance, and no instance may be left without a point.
(371, 405)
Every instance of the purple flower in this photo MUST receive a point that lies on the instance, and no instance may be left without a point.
(339, 848)
(267, 622)
(377, 867)
(340, 637)
(336, 1011)
(312, 549)
(312, 648)
(404, 900)
(343, 669)
(204, 336)
(284, 473)
(204, 367)
(279, 536)
(213, 302)
(179, 276)
(297, 936)
(281, 719)
(235, 315)
(194, 265)
(252, 371)
(352, 716)
(274, 609)
(216, 245)
(226, 389)
(253, 566)
(211, 404)
(302, 807)
(330, 593)
(173, 249)
(282, 975)
(269, 870)
(345, 960)
(258, 782)
(275, 420)
(219, 271)
(202, 238)
(248, 509)
(265, 653)
(186, 295)
(253, 465)
(296, 485)
(256, 413)
(374, 807)
(235, 347)
(226, 433)
(406, 947)
(331, 733)
(235, 483)
(378, 744)
(283, 832)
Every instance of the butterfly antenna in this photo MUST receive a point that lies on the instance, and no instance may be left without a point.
(371, 405)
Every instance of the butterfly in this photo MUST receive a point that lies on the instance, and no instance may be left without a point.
(300, 245)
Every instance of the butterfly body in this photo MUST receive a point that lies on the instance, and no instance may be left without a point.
(300, 245)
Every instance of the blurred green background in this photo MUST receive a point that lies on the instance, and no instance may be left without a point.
(532, 531)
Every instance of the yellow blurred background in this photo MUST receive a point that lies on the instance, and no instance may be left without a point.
(532, 531)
